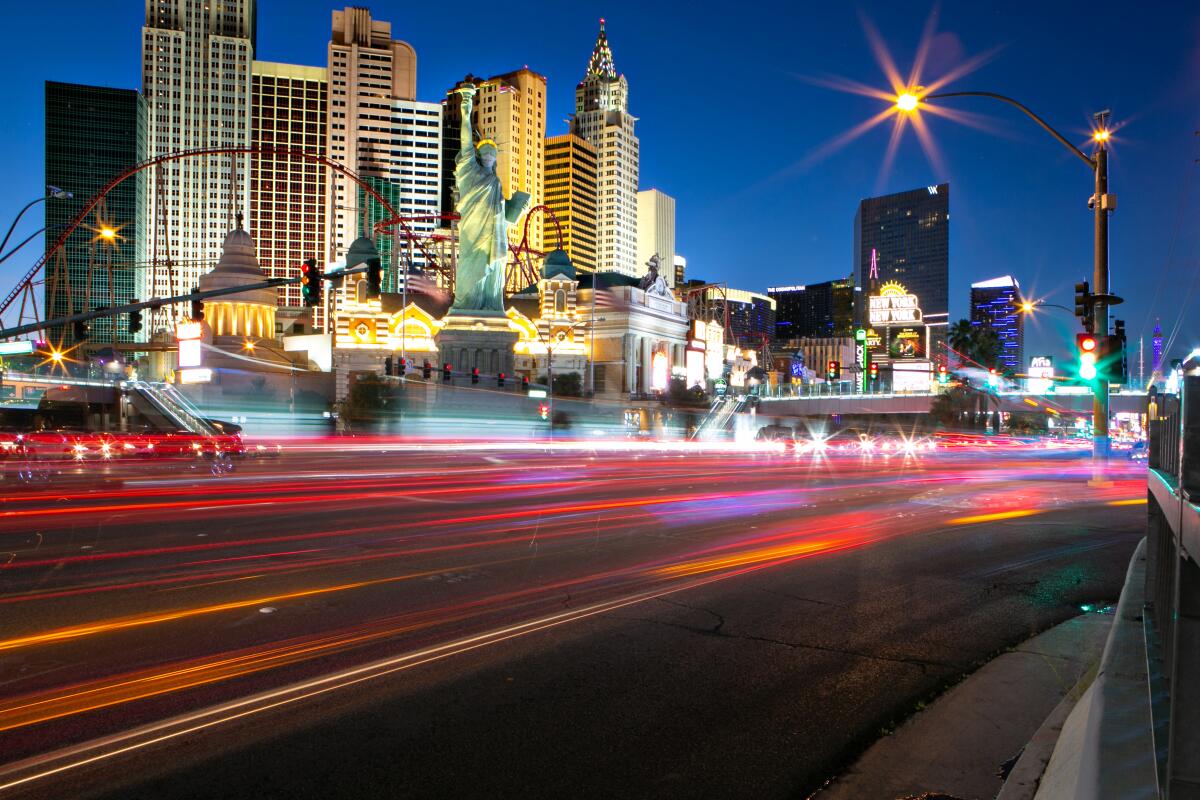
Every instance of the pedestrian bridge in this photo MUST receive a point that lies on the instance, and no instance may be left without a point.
(918, 403)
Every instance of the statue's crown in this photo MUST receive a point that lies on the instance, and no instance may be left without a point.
(483, 142)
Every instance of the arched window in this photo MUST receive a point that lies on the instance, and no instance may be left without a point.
(360, 292)
(560, 302)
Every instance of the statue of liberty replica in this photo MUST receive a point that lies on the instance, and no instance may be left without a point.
(485, 217)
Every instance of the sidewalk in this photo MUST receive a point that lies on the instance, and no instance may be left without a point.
(956, 747)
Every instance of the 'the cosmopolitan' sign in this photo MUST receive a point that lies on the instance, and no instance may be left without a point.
(893, 306)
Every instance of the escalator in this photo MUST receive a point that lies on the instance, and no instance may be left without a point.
(719, 418)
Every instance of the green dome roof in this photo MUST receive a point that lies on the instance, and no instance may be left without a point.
(558, 263)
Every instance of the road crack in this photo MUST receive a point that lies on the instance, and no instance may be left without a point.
(718, 631)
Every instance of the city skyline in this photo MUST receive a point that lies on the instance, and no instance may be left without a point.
(737, 225)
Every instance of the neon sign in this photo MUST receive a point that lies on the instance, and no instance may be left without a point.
(893, 305)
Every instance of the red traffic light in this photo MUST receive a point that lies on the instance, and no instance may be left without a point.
(1087, 342)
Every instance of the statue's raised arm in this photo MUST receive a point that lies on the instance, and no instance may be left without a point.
(467, 93)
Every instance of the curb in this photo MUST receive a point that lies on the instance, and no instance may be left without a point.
(1022, 781)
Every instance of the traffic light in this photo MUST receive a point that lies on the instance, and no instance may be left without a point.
(387, 366)
(446, 372)
(197, 310)
(402, 367)
(873, 371)
(1083, 306)
(1118, 369)
(374, 277)
(475, 375)
(500, 380)
(427, 370)
(524, 383)
(311, 283)
(943, 374)
(544, 410)
(1088, 346)
(135, 319)
(834, 371)
(80, 330)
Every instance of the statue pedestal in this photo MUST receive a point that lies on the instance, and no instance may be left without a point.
(482, 341)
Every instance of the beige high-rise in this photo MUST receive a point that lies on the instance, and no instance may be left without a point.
(196, 81)
(570, 189)
(367, 71)
(656, 232)
(287, 194)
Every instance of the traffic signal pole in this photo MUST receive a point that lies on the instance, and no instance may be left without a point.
(156, 302)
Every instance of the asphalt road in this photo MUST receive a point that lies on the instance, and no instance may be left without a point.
(360, 620)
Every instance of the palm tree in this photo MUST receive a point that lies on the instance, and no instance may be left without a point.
(961, 336)
(980, 344)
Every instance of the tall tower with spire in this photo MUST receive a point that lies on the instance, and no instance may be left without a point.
(602, 118)
(1156, 348)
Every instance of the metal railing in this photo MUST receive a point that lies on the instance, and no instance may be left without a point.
(1172, 586)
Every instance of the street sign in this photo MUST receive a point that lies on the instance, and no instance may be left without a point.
(720, 386)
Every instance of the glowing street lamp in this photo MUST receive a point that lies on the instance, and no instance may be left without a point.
(907, 101)
(1027, 306)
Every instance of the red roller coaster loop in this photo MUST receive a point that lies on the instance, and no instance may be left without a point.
(26, 281)
(522, 269)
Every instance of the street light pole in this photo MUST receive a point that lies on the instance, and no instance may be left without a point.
(1101, 204)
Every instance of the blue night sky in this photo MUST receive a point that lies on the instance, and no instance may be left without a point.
(729, 125)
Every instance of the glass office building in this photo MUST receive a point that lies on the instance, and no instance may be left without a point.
(905, 238)
(815, 311)
(92, 134)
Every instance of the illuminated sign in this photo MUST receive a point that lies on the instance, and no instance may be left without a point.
(786, 289)
(695, 367)
(188, 329)
(932, 189)
(188, 332)
(200, 375)
(907, 343)
(912, 376)
(189, 353)
(893, 305)
(714, 346)
(659, 368)
(1041, 374)
(16, 348)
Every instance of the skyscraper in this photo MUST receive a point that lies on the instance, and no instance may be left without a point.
(379, 131)
(656, 232)
(92, 134)
(996, 304)
(570, 188)
(602, 118)
(905, 238)
(288, 195)
(196, 59)
(814, 311)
